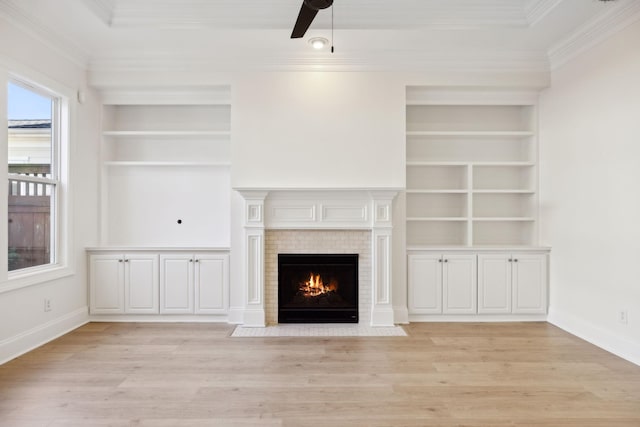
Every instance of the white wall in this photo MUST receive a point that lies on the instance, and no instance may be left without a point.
(24, 323)
(590, 192)
(318, 129)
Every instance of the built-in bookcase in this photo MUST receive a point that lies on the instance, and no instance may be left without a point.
(166, 160)
(471, 168)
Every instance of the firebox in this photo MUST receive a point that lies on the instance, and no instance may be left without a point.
(318, 288)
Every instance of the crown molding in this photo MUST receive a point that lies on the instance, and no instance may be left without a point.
(536, 10)
(103, 9)
(280, 14)
(380, 60)
(594, 31)
(66, 48)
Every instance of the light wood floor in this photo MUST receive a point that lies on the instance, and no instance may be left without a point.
(524, 374)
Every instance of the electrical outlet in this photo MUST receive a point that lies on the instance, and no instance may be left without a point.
(622, 316)
(47, 304)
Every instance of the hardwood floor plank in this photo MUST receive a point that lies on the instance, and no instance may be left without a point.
(442, 374)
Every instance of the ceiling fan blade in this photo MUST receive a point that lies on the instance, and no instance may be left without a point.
(305, 18)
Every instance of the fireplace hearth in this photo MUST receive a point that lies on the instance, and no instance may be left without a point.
(318, 288)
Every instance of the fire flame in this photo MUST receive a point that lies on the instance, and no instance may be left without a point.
(315, 286)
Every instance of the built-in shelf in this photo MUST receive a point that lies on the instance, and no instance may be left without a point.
(165, 169)
(420, 191)
(527, 219)
(497, 134)
(471, 169)
(436, 218)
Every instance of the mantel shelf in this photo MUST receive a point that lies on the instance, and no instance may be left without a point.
(166, 133)
(152, 163)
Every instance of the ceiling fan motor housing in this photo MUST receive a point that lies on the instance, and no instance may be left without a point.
(318, 4)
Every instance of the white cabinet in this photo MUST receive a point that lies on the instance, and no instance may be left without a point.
(194, 283)
(123, 283)
(512, 283)
(459, 284)
(425, 283)
(442, 283)
(480, 282)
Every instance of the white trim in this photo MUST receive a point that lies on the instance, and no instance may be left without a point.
(596, 335)
(155, 318)
(536, 10)
(593, 32)
(13, 14)
(24, 342)
(63, 263)
(477, 318)
(35, 276)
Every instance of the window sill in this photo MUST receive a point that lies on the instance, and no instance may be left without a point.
(35, 276)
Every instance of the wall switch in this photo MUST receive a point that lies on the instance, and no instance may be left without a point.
(47, 304)
(622, 316)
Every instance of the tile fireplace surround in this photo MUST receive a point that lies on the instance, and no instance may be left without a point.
(317, 221)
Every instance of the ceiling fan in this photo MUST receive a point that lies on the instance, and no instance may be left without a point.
(308, 12)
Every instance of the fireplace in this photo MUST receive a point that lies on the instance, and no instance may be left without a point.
(318, 288)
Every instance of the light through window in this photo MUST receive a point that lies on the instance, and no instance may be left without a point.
(33, 176)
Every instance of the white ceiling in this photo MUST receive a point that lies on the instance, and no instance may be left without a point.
(369, 34)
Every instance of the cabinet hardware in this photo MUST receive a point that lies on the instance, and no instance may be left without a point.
(119, 260)
(126, 260)
(439, 260)
(197, 260)
(446, 260)
(515, 260)
(190, 260)
(510, 260)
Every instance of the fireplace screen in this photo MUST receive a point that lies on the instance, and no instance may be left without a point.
(317, 288)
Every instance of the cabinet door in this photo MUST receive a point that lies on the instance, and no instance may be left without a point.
(106, 284)
(211, 279)
(176, 284)
(529, 283)
(141, 283)
(425, 283)
(459, 284)
(494, 283)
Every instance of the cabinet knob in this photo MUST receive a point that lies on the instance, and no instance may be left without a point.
(439, 260)
(190, 260)
(446, 260)
(119, 260)
(197, 260)
(510, 260)
(515, 260)
(126, 260)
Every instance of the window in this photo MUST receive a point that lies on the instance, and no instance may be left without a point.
(33, 174)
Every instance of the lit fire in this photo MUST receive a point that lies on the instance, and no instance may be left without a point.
(315, 286)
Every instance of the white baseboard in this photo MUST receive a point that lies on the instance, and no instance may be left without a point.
(477, 318)
(160, 318)
(597, 336)
(236, 315)
(400, 315)
(20, 344)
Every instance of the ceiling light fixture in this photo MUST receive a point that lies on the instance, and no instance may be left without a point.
(318, 43)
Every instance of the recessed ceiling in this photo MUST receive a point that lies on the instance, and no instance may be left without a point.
(369, 34)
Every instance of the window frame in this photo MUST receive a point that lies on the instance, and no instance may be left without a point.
(63, 109)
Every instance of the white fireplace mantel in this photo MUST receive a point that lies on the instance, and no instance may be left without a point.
(317, 209)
